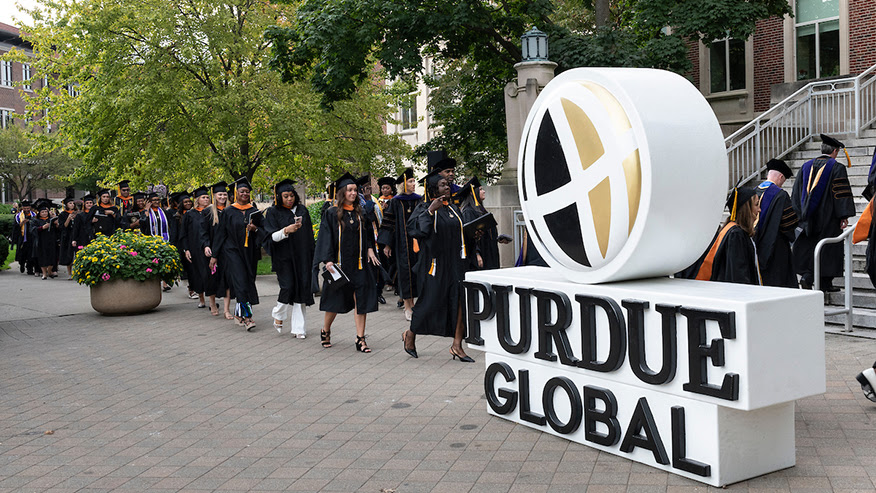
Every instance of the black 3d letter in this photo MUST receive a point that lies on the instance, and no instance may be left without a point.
(555, 332)
(636, 323)
(616, 333)
(699, 353)
(474, 292)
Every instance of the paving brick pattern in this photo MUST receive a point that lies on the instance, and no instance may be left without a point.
(176, 400)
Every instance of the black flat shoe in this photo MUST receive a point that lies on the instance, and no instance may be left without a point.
(411, 352)
(381, 299)
(400, 304)
(462, 358)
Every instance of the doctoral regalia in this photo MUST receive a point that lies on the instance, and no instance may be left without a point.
(241, 255)
(346, 244)
(44, 241)
(774, 235)
(731, 257)
(190, 240)
(216, 282)
(394, 233)
(487, 246)
(821, 197)
(106, 224)
(65, 234)
(440, 269)
(291, 257)
(124, 204)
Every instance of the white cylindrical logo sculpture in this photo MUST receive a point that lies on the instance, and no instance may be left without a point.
(622, 174)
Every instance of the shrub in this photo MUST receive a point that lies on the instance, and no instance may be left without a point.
(7, 223)
(126, 255)
(4, 252)
(5, 208)
(315, 216)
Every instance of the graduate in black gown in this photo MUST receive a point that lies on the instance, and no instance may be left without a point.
(486, 246)
(190, 240)
(65, 234)
(135, 214)
(216, 285)
(159, 222)
(184, 205)
(346, 239)
(23, 239)
(731, 256)
(105, 217)
(822, 199)
(124, 201)
(239, 241)
(775, 228)
(386, 187)
(289, 242)
(82, 232)
(43, 229)
(437, 226)
(397, 244)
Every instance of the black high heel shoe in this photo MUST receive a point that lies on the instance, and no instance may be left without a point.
(411, 352)
(462, 358)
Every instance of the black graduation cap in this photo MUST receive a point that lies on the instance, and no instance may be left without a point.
(180, 196)
(152, 195)
(88, 197)
(363, 180)
(286, 185)
(432, 178)
(344, 180)
(827, 139)
(446, 163)
(386, 180)
(780, 166)
(406, 175)
(219, 187)
(470, 188)
(124, 183)
(737, 197)
(433, 157)
(24, 203)
(139, 195)
(200, 191)
(68, 200)
(242, 182)
(41, 204)
(103, 191)
(176, 195)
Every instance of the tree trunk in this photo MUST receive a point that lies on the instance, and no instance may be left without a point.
(602, 12)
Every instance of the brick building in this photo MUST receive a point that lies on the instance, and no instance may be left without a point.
(825, 39)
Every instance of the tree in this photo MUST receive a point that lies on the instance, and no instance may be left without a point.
(24, 170)
(178, 91)
(476, 43)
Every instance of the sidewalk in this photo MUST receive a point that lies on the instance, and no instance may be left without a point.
(177, 400)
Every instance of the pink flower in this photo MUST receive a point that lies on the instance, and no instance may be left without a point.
(134, 254)
(155, 261)
(105, 276)
(148, 269)
(122, 246)
(81, 247)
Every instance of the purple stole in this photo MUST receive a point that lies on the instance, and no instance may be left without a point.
(810, 199)
(158, 224)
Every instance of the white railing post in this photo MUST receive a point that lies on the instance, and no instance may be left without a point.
(848, 309)
(857, 104)
(757, 151)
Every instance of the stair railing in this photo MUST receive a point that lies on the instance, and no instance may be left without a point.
(848, 310)
(841, 107)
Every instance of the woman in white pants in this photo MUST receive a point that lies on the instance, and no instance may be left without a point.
(290, 243)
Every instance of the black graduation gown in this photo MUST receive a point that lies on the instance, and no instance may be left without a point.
(735, 259)
(354, 244)
(216, 283)
(125, 206)
(25, 240)
(440, 269)
(394, 232)
(190, 240)
(106, 224)
(82, 232)
(241, 256)
(773, 238)
(44, 241)
(291, 257)
(836, 204)
(487, 246)
(66, 253)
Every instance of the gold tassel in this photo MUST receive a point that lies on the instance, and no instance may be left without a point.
(733, 211)
(848, 159)
(474, 196)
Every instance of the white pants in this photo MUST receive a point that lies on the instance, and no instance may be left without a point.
(294, 311)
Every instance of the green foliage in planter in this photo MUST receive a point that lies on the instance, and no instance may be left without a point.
(315, 217)
(5, 257)
(126, 255)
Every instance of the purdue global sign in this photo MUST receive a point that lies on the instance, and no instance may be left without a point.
(622, 179)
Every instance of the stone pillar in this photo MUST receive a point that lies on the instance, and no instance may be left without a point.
(502, 198)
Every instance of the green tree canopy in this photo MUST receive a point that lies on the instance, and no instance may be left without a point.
(178, 91)
(26, 170)
(475, 44)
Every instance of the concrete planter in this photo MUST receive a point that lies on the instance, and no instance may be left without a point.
(126, 296)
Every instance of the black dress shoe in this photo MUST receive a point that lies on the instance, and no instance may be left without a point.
(462, 358)
(400, 304)
(411, 352)
(805, 284)
(381, 299)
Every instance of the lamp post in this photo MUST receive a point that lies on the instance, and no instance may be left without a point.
(534, 46)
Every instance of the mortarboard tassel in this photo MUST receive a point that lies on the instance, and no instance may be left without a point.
(848, 159)
(733, 211)
(474, 196)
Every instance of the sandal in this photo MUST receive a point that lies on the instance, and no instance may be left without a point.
(278, 324)
(238, 320)
(325, 338)
(249, 324)
(214, 311)
(361, 346)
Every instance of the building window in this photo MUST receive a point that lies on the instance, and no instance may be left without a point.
(6, 74)
(727, 65)
(408, 108)
(73, 90)
(817, 38)
(45, 81)
(6, 118)
(25, 76)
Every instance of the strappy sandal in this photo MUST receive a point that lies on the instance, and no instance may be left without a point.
(325, 338)
(361, 346)
(249, 325)
(278, 324)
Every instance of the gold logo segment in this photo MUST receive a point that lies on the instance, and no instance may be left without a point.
(600, 207)
(620, 122)
(633, 174)
(586, 136)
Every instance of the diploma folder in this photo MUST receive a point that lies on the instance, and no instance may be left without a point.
(336, 279)
(482, 223)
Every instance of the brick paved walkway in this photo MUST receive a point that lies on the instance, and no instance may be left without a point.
(176, 400)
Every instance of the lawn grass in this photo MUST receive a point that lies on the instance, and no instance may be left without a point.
(264, 266)
(11, 258)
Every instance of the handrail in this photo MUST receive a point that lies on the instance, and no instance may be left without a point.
(837, 106)
(845, 237)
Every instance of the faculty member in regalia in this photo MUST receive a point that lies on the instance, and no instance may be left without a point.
(397, 244)
(437, 226)
(346, 239)
(822, 199)
(775, 228)
(289, 241)
(239, 241)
